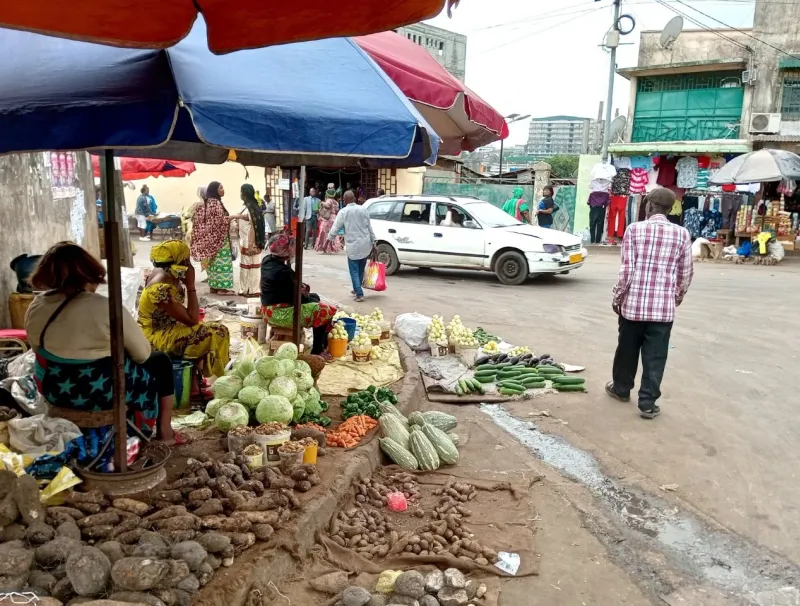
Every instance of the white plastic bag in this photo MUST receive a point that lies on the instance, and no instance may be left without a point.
(413, 329)
(40, 434)
(131, 280)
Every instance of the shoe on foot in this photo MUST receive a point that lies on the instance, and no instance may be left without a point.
(611, 392)
(359, 299)
(650, 413)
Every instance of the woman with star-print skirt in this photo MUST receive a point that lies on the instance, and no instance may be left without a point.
(68, 329)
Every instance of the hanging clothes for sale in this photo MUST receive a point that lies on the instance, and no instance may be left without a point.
(622, 162)
(645, 162)
(621, 183)
(687, 172)
(638, 183)
(692, 221)
(602, 175)
(616, 216)
(729, 207)
(667, 173)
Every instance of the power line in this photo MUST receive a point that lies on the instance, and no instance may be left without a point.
(546, 15)
(548, 27)
(772, 46)
(703, 25)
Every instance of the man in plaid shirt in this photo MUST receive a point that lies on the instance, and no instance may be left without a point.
(655, 275)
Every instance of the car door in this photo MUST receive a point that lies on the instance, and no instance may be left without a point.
(457, 245)
(411, 232)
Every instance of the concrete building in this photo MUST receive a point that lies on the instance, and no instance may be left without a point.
(448, 48)
(723, 84)
(560, 135)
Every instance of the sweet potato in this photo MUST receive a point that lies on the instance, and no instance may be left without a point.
(241, 541)
(258, 517)
(73, 513)
(97, 532)
(171, 496)
(99, 519)
(254, 486)
(169, 512)
(132, 506)
(9, 512)
(294, 502)
(225, 524)
(178, 536)
(264, 503)
(131, 537)
(193, 483)
(126, 526)
(26, 495)
(88, 508)
(210, 507)
(94, 497)
(201, 494)
(263, 532)
(182, 522)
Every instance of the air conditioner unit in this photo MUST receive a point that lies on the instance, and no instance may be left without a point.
(749, 76)
(765, 123)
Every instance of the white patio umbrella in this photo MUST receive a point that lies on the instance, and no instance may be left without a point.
(759, 166)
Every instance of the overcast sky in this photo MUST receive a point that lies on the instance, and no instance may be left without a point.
(530, 57)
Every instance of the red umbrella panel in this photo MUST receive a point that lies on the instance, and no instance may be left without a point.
(461, 118)
(232, 25)
(141, 168)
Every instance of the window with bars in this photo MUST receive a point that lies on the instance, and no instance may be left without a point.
(790, 104)
(694, 81)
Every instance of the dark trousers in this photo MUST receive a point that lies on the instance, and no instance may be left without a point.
(357, 267)
(652, 340)
(597, 217)
(159, 367)
(312, 231)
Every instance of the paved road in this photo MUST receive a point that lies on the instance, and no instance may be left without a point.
(729, 429)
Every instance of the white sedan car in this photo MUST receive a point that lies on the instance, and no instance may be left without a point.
(468, 233)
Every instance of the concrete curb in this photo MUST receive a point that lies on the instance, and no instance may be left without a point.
(281, 564)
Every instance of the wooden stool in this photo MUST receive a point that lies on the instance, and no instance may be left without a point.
(277, 336)
(12, 342)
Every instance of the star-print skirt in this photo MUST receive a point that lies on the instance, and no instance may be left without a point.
(85, 386)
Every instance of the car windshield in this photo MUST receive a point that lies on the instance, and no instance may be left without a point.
(491, 216)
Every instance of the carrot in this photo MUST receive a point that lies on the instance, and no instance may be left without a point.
(350, 432)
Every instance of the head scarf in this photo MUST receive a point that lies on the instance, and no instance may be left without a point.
(281, 246)
(174, 252)
(518, 193)
(331, 191)
(256, 214)
(212, 191)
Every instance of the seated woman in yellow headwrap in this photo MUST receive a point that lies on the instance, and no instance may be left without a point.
(169, 312)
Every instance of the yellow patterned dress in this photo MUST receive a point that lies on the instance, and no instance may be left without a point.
(209, 341)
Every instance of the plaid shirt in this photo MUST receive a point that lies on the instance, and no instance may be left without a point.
(656, 270)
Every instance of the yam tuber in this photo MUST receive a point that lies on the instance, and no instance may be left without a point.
(258, 517)
(225, 524)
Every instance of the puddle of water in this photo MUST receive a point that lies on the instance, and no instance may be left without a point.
(719, 558)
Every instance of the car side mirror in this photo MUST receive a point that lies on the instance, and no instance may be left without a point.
(469, 224)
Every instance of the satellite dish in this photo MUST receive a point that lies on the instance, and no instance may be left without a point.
(671, 32)
(617, 128)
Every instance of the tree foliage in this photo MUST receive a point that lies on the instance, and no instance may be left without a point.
(564, 167)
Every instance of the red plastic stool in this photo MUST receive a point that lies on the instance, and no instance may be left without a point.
(13, 341)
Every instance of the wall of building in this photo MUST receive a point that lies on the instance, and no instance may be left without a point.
(409, 180)
(692, 45)
(778, 25)
(35, 214)
(448, 48)
(558, 135)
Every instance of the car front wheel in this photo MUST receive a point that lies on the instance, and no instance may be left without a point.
(388, 257)
(511, 268)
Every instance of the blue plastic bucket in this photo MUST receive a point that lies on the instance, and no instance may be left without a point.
(182, 375)
(350, 327)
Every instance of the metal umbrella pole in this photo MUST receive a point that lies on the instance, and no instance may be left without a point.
(298, 262)
(111, 229)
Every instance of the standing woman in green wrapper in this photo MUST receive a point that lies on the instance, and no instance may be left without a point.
(512, 204)
(211, 244)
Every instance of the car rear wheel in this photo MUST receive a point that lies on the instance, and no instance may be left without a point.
(388, 257)
(511, 268)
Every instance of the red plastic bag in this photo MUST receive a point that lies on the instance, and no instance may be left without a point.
(396, 501)
(374, 276)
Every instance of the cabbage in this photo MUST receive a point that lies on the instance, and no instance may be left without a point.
(251, 396)
(227, 386)
(303, 380)
(212, 408)
(287, 351)
(232, 415)
(312, 402)
(267, 367)
(255, 380)
(245, 366)
(302, 365)
(285, 368)
(283, 386)
(299, 407)
(274, 408)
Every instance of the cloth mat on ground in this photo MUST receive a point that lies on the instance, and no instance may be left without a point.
(345, 376)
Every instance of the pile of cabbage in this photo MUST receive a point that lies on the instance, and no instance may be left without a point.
(262, 389)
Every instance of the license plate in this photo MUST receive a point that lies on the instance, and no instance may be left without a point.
(576, 258)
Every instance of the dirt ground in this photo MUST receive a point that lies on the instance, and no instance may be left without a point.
(726, 437)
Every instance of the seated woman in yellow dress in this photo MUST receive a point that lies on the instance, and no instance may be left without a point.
(169, 312)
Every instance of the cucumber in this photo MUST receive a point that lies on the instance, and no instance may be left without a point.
(528, 371)
(550, 370)
(485, 378)
(561, 387)
(502, 365)
(537, 385)
(476, 386)
(484, 373)
(527, 380)
(459, 391)
(463, 385)
(508, 391)
(511, 385)
(563, 380)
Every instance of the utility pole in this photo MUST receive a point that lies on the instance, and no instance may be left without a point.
(612, 42)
